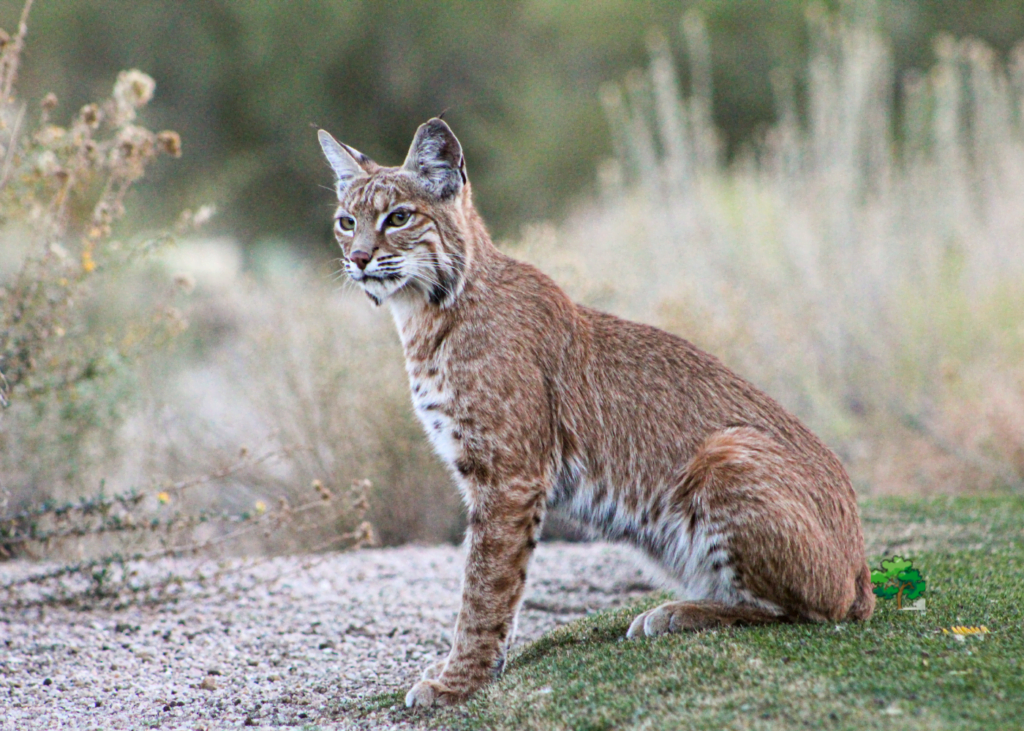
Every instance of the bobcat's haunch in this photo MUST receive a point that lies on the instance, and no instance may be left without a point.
(536, 403)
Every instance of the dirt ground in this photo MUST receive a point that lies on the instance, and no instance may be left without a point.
(284, 643)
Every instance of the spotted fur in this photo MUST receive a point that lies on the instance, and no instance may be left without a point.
(536, 404)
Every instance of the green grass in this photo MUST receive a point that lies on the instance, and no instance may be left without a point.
(898, 671)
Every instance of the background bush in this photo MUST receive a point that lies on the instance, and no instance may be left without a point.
(244, 81)
(862, 268)
(772, 183)
(85, 310)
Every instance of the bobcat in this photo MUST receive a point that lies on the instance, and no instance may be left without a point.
(536, 403)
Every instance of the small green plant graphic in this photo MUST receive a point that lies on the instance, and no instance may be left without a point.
(898, 579)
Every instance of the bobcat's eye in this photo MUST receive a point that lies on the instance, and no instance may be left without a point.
(397, 218)
(344, 223)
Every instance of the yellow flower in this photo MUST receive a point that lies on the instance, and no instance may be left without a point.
(88, 263)
(261, 507)
(163, 497)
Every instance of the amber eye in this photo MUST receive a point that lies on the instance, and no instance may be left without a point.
(397, 218)
(345, 223)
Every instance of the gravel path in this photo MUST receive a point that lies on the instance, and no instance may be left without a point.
(284, 643)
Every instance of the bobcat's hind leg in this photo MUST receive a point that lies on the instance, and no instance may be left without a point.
(681, 616)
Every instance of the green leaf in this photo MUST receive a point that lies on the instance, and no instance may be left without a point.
(912, 582)
(894, 565)
(886, 592)
(911, 575)
(913, 592)
(878, 577)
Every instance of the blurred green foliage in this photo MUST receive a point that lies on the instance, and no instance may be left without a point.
(246, 81)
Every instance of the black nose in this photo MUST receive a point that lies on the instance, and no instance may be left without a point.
(360, 259)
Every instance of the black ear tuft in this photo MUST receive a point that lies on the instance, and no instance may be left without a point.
(435, 157)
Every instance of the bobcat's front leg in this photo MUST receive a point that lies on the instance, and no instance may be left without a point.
(501, 535)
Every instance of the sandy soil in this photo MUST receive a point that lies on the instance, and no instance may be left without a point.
(282, 644)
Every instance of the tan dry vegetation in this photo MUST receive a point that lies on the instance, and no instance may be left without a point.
(87, 323)
(865, 281)
(868, 281)
(304, 364)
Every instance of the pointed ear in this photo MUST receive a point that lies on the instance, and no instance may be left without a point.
(435, 158)
(348, 164)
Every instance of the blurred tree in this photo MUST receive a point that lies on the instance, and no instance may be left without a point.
(246, 81)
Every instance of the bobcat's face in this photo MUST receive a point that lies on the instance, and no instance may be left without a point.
(397, 227)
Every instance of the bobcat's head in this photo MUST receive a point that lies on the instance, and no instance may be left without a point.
(404, 229)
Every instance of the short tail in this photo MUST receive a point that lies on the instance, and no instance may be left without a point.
(864, 604)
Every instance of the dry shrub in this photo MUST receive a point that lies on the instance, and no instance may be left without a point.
(308, 366)
(868, 282)
(66, 354)
(122, 539)
(87, 318)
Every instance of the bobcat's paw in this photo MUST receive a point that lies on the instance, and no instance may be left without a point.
(676, 617)
(651, 623)
(427, 693)
(682, 616)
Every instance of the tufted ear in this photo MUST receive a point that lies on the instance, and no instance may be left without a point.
(435, 157)
(348, 164)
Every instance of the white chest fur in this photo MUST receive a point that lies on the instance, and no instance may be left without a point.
(433, 407)
(430, 399)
